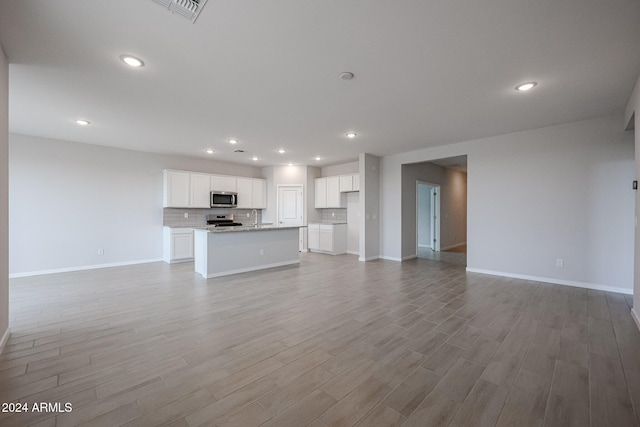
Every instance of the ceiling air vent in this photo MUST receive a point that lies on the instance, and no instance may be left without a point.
(189, 9)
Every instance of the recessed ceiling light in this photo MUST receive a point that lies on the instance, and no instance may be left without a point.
(351, 135)
(210, 151)
(290, 164)
(233, 141)
(254, 158)
(83, 122)
(346, 76)
(281, 151)
(526, 86)
(132, 61)
(318, 158)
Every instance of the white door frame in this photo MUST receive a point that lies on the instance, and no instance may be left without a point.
(434, 215)
(297, 186)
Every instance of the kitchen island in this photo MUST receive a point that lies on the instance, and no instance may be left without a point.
(221, 251)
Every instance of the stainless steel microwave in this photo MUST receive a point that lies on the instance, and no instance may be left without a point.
(224, 199)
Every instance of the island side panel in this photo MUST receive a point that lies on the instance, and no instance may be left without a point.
(200, 242)
(241, 251)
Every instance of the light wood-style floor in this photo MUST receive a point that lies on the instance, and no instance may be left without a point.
(332, 342)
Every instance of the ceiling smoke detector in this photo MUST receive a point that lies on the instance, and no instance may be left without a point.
(189, 9)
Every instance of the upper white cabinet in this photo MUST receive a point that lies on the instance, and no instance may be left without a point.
(176, 189)
(200, 188)
(259, 194)
(224, 183)
(334, 198)
(184, 189)
(349, 183)
(252, 193)
(328, 193)
(321, 193)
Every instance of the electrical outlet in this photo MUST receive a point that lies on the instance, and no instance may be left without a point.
(186, 215)
(333, 214)
(100, 251)
(248, 215)
(559, 262)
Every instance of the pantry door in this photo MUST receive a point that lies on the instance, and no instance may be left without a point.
(290, 206)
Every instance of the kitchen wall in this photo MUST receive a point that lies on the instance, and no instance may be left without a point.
(342, 169)
(174, 217)
(290, 175)
(67, 200)
(4, 199)
(453, 204)
(562, 192)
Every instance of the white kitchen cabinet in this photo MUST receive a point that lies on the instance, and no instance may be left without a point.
(259, 194)
(176, 189)
(252, 193)
(178, 244)
(327, 238)
(313, 236)
(328, 193)
(349, 183)
(334, 198)
(245, 193)
(200, 188)
(346, 183)
(321, 193)
(224, 183)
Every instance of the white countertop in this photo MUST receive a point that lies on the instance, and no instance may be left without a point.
(241, 228)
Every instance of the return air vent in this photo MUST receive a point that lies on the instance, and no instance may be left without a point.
(189, 9)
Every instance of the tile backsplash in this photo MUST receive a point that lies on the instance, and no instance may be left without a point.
(334, 215)
(174, 217)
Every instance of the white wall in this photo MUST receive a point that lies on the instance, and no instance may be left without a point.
(370, 202)
(424, 215)
(535, 196)
(353, 223)
(4, 199)
(632, 119)
(290, 175)
(342, 169)
(67, 200)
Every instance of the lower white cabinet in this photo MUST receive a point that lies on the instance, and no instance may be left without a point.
(327, 238)
(177, 244)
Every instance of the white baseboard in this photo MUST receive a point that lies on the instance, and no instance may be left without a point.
(635, 317)
(584, 285)
(371, 258)
(353, 252)
(259, 267)
(408, 257)
(457, 245)
(81, 268)
(391, 258)
(5, 338)
(424, 246)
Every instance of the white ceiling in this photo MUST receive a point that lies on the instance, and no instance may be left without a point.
(427, 73)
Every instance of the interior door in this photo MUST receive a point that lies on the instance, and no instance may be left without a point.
(290, 206)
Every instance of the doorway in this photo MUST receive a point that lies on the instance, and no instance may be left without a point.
(290, 206)
(427, 218)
